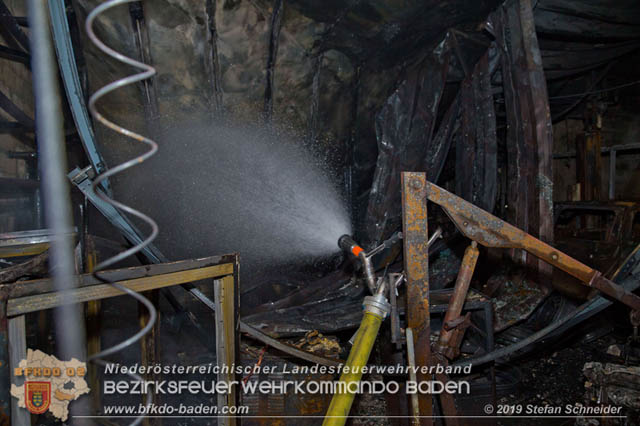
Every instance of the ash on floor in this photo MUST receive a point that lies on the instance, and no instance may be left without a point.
(555, 379)
(372, 407)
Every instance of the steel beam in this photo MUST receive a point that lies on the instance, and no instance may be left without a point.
(73, 88)
(416, 266)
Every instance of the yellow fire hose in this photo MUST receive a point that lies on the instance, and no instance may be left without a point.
(376, 309)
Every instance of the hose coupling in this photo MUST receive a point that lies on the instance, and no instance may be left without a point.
(377, 305)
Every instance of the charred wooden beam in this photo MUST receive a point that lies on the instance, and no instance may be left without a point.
(15, 55)
(11, 31)
(572, 26)
(14, 127)
(212, 61)
(529, 137)
(14, 111)
(602, 10)
(276, 26)
(37, 265)
(476, 144)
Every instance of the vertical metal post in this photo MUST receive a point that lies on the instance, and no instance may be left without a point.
(69, 320)
(411, 361)
(17, 352)
(49, 122)
(225, 293)
(612, 174)
(416, 266)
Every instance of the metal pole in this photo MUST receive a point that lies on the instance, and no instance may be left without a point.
(416, 266)
(54, 184)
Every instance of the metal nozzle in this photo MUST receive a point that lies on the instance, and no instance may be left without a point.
(348, 244)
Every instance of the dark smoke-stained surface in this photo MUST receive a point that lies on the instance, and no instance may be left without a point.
(374, 85)
(404, 128)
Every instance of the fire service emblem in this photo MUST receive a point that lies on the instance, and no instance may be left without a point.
(37, 396)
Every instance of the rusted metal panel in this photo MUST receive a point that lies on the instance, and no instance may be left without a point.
(416, 266)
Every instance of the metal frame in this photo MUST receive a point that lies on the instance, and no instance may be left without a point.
(26, 243)
(491, 231)
(483, 228)
(32, 296)
(80, 178)
(73, 88)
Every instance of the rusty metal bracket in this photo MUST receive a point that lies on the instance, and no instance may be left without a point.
(491, 231)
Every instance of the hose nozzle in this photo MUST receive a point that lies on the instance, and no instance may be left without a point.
(348, 244)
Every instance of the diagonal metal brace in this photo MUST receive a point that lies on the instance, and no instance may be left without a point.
(71, 80)
(490, 231)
